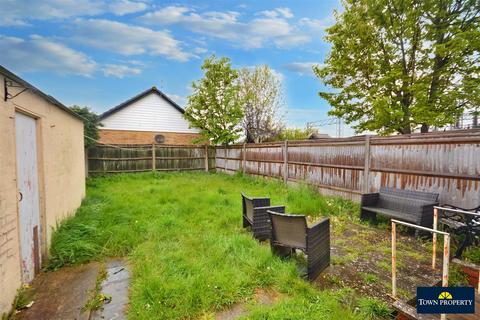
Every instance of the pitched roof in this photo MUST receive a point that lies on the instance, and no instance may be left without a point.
(13, 77)
(138, 97)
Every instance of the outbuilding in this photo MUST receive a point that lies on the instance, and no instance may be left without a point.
(42, 178)
(147, 118)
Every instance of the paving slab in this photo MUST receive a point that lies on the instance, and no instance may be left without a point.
(61, 294)
(116, 287)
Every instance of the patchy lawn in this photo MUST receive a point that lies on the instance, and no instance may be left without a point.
(191, 258)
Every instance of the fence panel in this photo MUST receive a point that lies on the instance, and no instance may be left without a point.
(444, 162)
(139, 158)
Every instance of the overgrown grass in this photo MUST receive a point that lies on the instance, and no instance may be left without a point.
(189, 253)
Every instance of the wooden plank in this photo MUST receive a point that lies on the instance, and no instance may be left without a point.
(153, 157)
(366, 170)
(326, 165)
(428, 174)
(206, 158)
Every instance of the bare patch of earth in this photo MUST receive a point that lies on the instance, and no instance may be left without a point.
(61, 294)
(361, 260)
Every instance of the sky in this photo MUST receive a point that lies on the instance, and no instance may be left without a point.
(100, 53)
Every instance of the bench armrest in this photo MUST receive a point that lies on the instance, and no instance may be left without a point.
(428, 207)
(261, 226)
(280, 209)
(318, 226)
(261, 202)
(369, 199)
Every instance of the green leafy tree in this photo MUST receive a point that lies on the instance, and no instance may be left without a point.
(214, 107)
(91, 122)
(293, 134)
(398, 65)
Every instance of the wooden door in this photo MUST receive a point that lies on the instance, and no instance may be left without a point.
(28, 195)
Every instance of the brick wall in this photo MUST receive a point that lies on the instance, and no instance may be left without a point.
(8, 247)
(109, 136)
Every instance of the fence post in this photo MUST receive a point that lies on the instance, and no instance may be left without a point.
(446, 259)
(206, 157)
(394, 259)
(285, 162)
(244, 156)
(434, 239)
(153, 157)
(225, 159)
(446, 264)
(366, 170)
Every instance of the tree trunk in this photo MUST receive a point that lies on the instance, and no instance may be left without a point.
(424, 128)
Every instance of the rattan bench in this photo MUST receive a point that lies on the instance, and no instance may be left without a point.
(254, 211)
(290, 232)
(405, 205)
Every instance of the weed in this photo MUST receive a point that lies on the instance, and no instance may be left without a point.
(22, 300)
(334, 279)
(456, 277)
(472, 254)
(97, 299)
(370, 278)
(371, 308)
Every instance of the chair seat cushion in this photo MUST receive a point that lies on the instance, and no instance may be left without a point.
(392, 213)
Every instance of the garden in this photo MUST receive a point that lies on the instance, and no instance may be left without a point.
(190, 257)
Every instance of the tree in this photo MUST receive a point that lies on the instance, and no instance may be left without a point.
(91, 122)
(396, 65)
(214, 107)
(293, 134)
(262, 97)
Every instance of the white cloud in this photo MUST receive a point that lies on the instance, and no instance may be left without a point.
(21, 11)
(317, 24)
(283, 12)
(303, 68)
(120, 71)
(200, 50)
(38, 53)
(270, 27)
(127, 40)
(123, 7)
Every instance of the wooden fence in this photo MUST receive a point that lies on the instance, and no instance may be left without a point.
(447, 163)
(139, 158)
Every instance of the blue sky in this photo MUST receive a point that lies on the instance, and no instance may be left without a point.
(100, 53)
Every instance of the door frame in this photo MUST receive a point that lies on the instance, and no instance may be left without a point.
(39, 123)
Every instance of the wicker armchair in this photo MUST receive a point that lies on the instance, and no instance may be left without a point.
(291, 232)
(255, 215)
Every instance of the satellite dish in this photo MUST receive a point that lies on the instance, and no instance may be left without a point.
(159, 138)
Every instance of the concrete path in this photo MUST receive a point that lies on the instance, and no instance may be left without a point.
(61, 294)
(115, 286)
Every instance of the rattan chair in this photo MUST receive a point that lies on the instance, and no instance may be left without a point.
(255, 215)
(290, 232)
